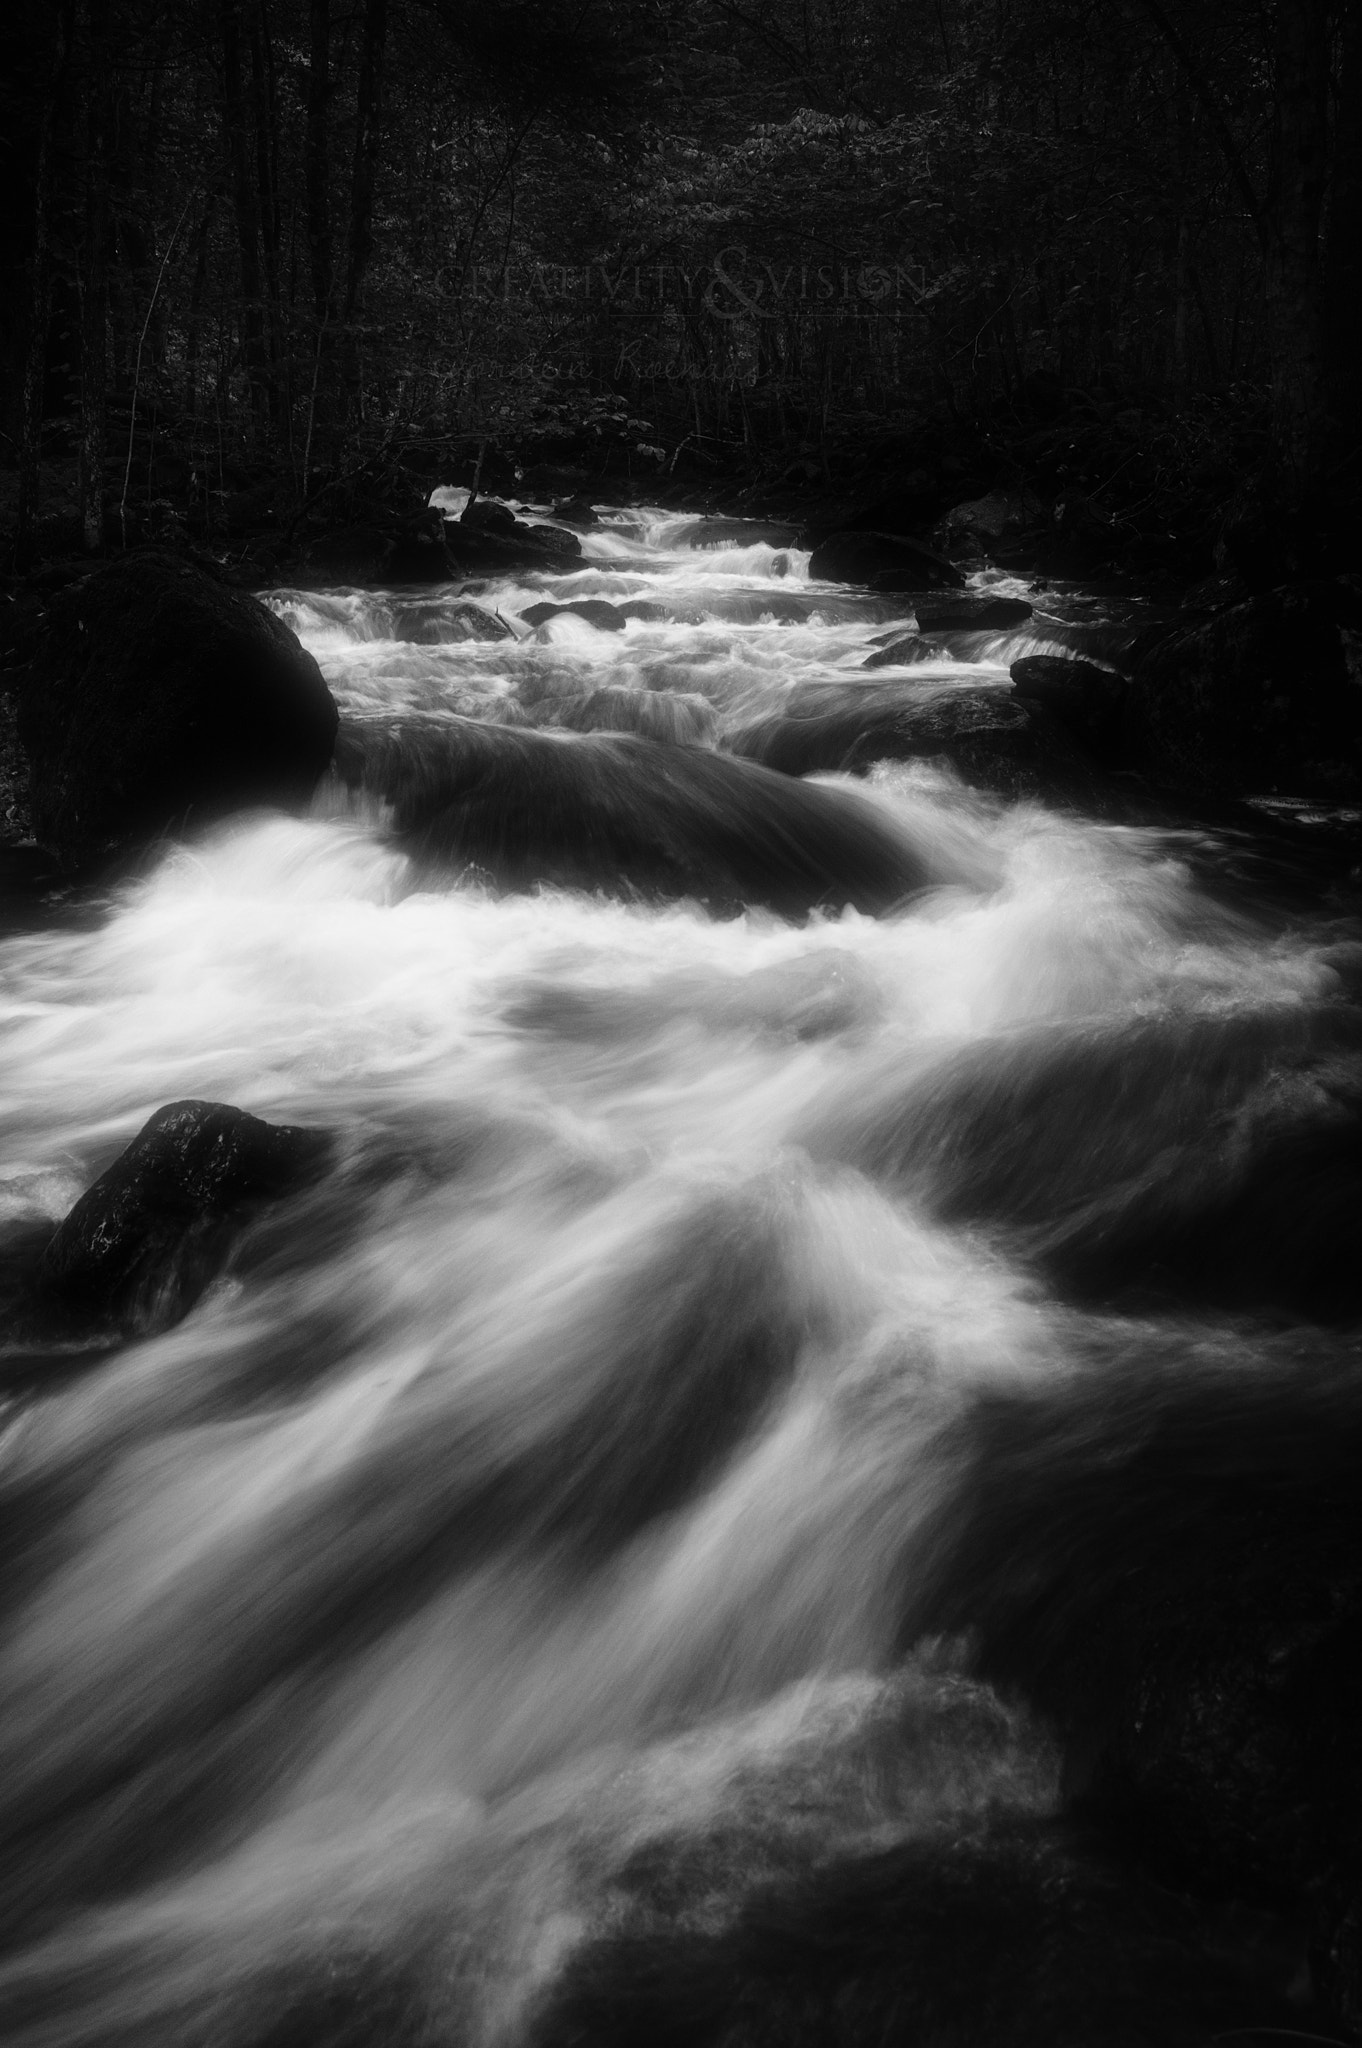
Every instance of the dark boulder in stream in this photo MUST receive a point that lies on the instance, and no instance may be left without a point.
(443, 625)
(884, 561)
(140, 1245)
(970, 613)
(1213, 1158)
(984, 734)
(1088, 701)
(377, 556)
(480, 550)
(1262, 696)
(683, 718)
(630, 816)
(161, 697)
(1204, 1665)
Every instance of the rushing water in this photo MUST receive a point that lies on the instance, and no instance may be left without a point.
(561, 1527)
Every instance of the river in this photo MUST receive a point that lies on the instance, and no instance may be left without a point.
(584, 1520)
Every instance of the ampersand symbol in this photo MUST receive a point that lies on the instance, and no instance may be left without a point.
(723, 277)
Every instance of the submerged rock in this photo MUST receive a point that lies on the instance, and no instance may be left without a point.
(959, 1930)
(630, 816)
(969, 614)
(606, 618)
(741, 533)
(983, 733)
(161, 697)
(1211, 1158)
(140, 1245)
(684, 719)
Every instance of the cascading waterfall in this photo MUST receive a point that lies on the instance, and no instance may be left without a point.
(566, 1525)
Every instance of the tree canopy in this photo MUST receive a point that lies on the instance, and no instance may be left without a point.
(256, 243)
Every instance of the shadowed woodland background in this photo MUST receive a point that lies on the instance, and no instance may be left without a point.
(261, 257)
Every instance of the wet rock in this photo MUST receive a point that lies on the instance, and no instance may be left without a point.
(683, 719)
(1088, 701)
(740, 533)
(140, 1245)
(882, 561)
(1256, 698)
(645, 608)
(984, 734)
(162, 697)
(439, 625)
(606, 618)
(995, 1929)
(630, 816)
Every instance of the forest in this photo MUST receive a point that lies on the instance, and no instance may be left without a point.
(681, 989)
(267, 261)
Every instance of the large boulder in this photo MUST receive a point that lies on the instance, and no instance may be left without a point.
(142, 1243)
(983, 733)
(882, 561)
(1263, 696)
(628, 816)
(481, 550)
(162, 697)
(488, 515)
(377, 556)
(997, 516)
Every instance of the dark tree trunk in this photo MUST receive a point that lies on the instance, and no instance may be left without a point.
(1343, 245)
(315, 159)
(236, 137)
(94, 276)
(1287, 223)
(1293, 272)
(196, 292)
(368, 117)
(39, 299)
(263, 111)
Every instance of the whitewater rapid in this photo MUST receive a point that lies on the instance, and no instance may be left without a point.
(518, 1546)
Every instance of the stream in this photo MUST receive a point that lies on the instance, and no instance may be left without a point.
(608, 1563)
